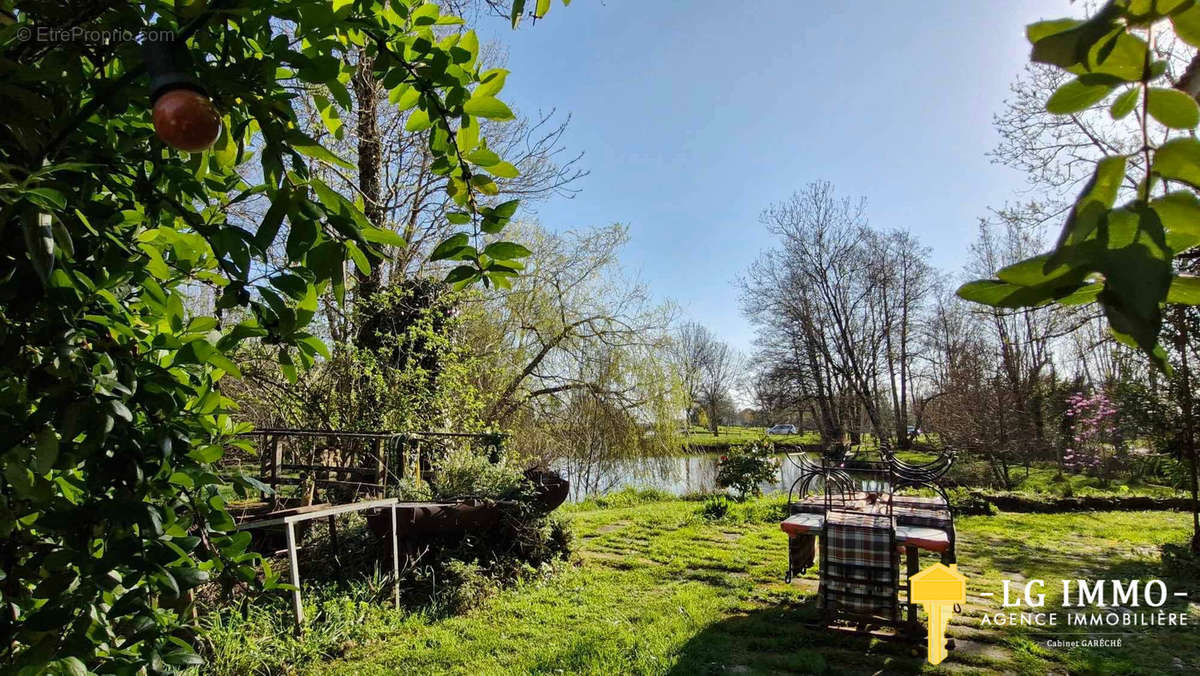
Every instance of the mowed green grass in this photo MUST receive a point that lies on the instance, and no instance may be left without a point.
(657, 589)
(702, 438)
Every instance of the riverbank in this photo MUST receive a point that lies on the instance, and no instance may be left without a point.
(655, 588)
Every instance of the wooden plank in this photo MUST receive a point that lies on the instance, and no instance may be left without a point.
(330, 468)
(342, 509)
(395, 559)
(380, 463)
(297, 605)
(327, 483)
(276, 460)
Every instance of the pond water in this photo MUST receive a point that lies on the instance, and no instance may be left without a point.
(677, 475)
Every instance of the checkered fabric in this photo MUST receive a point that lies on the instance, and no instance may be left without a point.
(859, 572)
(924, 515)
(815, 504)
(908, 510)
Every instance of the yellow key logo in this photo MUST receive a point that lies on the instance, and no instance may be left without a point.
(938, 588)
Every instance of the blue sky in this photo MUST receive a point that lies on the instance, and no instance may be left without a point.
(694, 116)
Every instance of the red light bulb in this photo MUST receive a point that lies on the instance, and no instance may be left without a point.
(186, 120)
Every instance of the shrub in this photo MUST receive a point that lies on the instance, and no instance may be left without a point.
(715, 507)
(747, 466)
(463, 473)
(970, 503)
(464, 586)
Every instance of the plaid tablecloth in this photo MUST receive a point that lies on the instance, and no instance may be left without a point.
(860, 568)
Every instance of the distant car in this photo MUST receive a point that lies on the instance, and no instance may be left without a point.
(782, 429)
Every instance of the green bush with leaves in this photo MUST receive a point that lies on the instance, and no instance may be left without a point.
(465, 473)
(1120, 255)
(747, 466)
(715, 507)
(111, 408)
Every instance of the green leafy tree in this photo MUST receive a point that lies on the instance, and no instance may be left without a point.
(747, 466)
(111, 412)
(1128, 257)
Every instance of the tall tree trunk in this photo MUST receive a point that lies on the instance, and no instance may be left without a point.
(370, 165)
(1189, 439)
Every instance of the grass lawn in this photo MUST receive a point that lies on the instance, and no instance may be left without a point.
(657, 589)
(702, 438)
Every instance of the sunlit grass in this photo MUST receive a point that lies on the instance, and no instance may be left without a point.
(655, 588)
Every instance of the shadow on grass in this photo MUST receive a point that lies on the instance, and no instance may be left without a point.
(787, 638)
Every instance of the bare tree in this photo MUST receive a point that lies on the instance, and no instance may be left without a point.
(688, 356)
(721, 368)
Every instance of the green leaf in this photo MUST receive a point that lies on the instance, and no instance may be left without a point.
(425, 15)
(462, 275)
(518, 7)
(1033, 271)
(47, 450)
(487, 106)
(418, 121)
(383, 236)
(206, 454)
(1172, 108)
(1137, 271)
(506, 251)
(483, 157)
(181, 658)
(503, 170)
(1180, 215)
(1092, 204)
(47, 198)
(359, 258)
(1122, 57)
(996, 293)
(1075, 96)
(182, 480)
(450, 248)
(1087, 293)
(506, 209)
(491, 82)
(1187, 25)
(224, 363)
(1125, 103)
(1185, 290)
(543, 6)
(404, 97)
(1136, 333)
(319, 152)
(269, 228)
(1035, 32)
(67, 666)
(120, 410)
(189, 577)
(225, 150)
(1179, 160)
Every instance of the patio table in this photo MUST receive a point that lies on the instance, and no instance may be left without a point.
(919, 523)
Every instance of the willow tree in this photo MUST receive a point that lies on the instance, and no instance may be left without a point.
(111, 413)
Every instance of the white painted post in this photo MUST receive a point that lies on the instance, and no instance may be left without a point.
(395, 560)
(295, 565)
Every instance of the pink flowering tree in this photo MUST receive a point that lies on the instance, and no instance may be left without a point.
(1092, 448)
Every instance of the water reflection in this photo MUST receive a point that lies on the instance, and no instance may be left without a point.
(678, 475)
